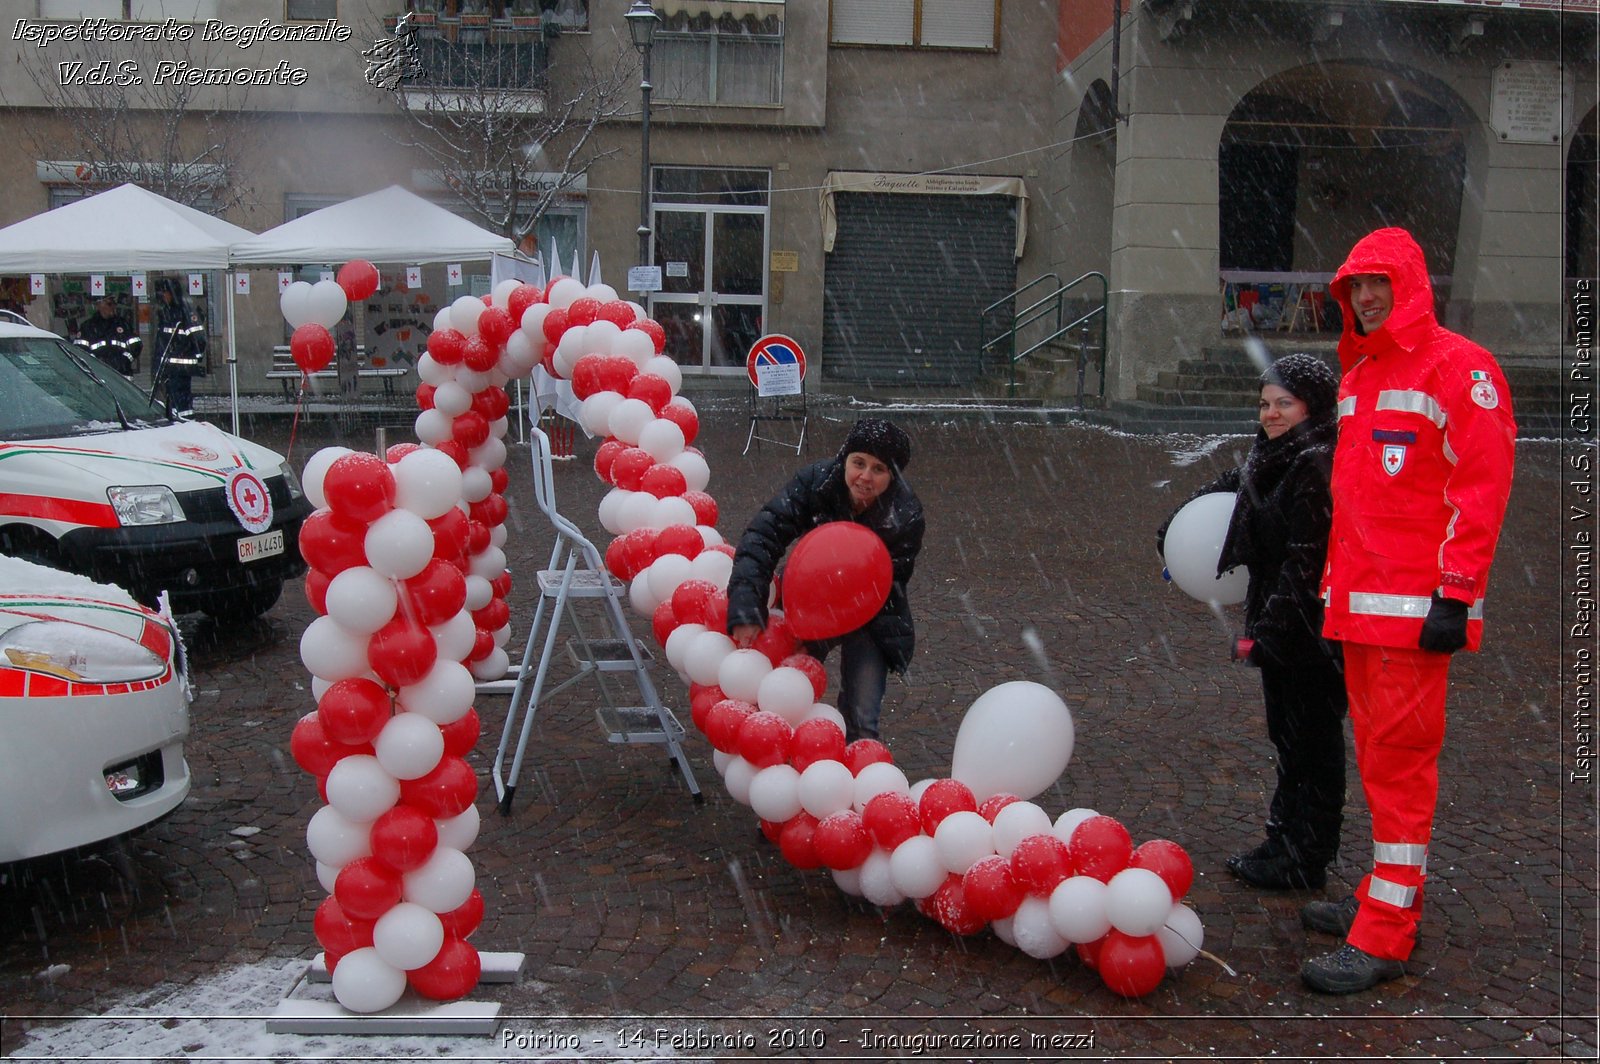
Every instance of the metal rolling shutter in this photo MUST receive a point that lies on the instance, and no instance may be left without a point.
(908, 277)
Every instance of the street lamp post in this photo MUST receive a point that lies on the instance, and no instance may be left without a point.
(642, 23)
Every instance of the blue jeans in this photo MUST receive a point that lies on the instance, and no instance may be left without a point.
(863, 675)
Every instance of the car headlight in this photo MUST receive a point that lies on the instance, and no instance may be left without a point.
(79, 653)
(292, 482)
(148, 504)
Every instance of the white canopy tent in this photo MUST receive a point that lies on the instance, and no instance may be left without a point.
(390, 225)
(126, 229)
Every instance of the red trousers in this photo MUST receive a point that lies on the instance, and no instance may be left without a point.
(1397, 716)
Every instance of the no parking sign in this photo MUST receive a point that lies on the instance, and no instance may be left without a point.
(776, 365)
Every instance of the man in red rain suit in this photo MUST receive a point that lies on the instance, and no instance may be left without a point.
(1421, 475)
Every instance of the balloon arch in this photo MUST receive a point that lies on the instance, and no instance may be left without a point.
(409, 579)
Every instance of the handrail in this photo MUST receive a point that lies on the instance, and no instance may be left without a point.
(1051, 305)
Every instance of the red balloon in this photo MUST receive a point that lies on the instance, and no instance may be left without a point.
(354, 711)
(312, 347)
(636, 550)
(461, 734)
(1169, 861)
(1131, 966)
(499, 480)
(358, 278)
(618, 313)
(701, 698)
(777, 640)
(466, 918)
(664, 481)
(615, 373)
(477, 535)
(337, 931)
(586, 376)
(396, 451)
(316, 588)
(841, 841)
(797, 841)
(453, 972)
(434, 595)
(943, 797)
(492, 403)
(717, 612)
(313, 749)
(424, 395)
(555, 323)
(404, 838)
(581, 311)
(764, 739)
(682, 416)
(652, 329)
(891, 818)
(605, 455)
(367, 888)
(493, 616)
(450, 531)
(816, 740)
(457, 453)
(655, 392)
(483, 645)
(948, 905)
(446, 346)
(443, 793)
(333, 543)
(402, 652)
(989, 889)
(488, 511)
(496, 326)
(521, 298)
(723, 722)
(1039, 863)
(1089, 952)
(680, 539)
(502, 585)
(991, 806)
(863, 752)
(469, 429)
(663, 621)
(478, 354)
(630, 466)
(814, 670)
(690, 598)
(1100, 847)
(359, 486)
(705, 508)
(837, 580)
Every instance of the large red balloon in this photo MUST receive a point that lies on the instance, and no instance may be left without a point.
(837, 579)
(358, 278)
(354, 711)
(943, 797)
(991, 892)
(1169, 861)
(443, 793)
(1039, 863)
(331, 543)
(891, 818)
(764, 739)
(367, 888)
(452, 973)
(404, 838)
(680, 539)
(723, 722)
(1131, 966)
(436, 594)
(446, 346)
(402, 652)
(495, 326)
(798, 839)
(312, 347)
(337, 931)
(522, 297)
(816, 740)
(841, 841)
(1100, 847)
(690, 599)
(359, 486)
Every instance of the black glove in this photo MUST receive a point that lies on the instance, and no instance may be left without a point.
(1444, 630)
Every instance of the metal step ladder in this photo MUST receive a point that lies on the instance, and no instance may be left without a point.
(576, 574)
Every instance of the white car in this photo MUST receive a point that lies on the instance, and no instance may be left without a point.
(99, 479)
(94, 708)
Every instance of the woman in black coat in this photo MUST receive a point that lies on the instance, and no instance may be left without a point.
(864, 483)
(1279, 530)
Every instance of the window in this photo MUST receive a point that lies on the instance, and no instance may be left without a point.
(310, 10)
(719, 59)
(129, 10)
(971, 24)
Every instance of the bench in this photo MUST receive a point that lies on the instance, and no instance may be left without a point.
(286, 373)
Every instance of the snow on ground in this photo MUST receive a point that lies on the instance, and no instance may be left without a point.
(224, 1018)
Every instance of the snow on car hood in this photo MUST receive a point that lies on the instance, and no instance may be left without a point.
(36, 592)
(187, 456)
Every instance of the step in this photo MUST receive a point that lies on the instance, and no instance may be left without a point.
(638, 724)
(609, 655)
(586, 583)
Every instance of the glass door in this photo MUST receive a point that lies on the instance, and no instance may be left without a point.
(713, 296)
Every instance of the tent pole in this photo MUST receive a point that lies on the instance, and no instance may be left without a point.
(233, 358)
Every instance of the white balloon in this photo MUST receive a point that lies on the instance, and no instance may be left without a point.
(454, 638)
(427, 482)
(696, 472)
(877, 880)
(1078, 909)
(601, 292)
(472, 380)
(476, 485)
(431, 371)
(336, 840)
(445, 694)
(441, 319)
(963, 838)
(677, 643)
(785, 691)
(628, 419)
(637, 346)
(666, 573)
(362, 599)
(399, 544)
(775, 793)
(316, 470)
(1137, 902)
(333, 652)
(501, 293)
(826, 787)
(916, 867)
(607, 511)
(1016, 822)
(703, 658)
(917, 788)
(673, 510)
(711, 538)
(490, 454)
(573, 345)
(600, 337)
(564, 290)
(295, 303)
(1015, 739)
(452, 400)
(327, 875)
(1068, 822)
(880, 777)
(742, 671)
(464, 314)
(460, 831)
(409, 746)
(642, 596)
(479, 592)
(327, 303)
(595, 412)
(521, 355)
(1002, 930)
(663, 367)
(489, 563)
(533, 319)
(823, 711)
(432, 427)
(1194, 544)
(847, 880)
(492, 667)
(720, 761)
(442, 883)
(364, 982)
(636, 511)
(739, 776)
(712, 565)
(407, 936)
(360, 788)
(1182, 937)
(1034, 930)
(662, 438)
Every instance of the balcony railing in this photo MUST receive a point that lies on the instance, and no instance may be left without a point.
(458, 65)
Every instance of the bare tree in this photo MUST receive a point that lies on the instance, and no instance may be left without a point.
(129, 118)
(504, 133)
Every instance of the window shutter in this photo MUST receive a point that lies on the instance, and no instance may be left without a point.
(874, 21)
(958, 24)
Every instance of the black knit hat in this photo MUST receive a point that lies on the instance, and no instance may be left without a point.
(881, 439)
(1307, 378)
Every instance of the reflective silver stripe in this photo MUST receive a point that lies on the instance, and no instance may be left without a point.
(1413, 403)
(1391, 893)
(1403, 853)
(1347, 406)
(1376, 605)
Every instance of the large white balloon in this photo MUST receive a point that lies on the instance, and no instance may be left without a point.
(775, 793)
(427, 482)
(1137, 902)
(452, 400)
(826, 787)
(1034, 930)
(333, 652)
(327, 303)
(362, 599)
(628, 418)
(696, 472)
(785, 691)
(335, 839)
(1193, 546)
(364, 982)
(963, 838)
(1182, 937)
(916, 867)
(445, 694)
(1015, 739)
(295, 303)
(595, 412)
(399, 544)
(742, 671)
(464, 314)
(409, 746)
(662, 438)
(360, 788)
(408, 936)
(443, 883)
(703, 658)
(1078, 909)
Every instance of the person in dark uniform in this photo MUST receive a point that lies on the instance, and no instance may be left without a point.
(180, 346)
(110, 338)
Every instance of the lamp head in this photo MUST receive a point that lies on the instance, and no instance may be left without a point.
(642, 23)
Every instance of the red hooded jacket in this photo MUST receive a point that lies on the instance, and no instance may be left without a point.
(1422, 471)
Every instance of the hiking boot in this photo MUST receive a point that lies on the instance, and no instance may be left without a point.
(1348, 970)
(1278, 873)
(1331, 917)
(1273, 847)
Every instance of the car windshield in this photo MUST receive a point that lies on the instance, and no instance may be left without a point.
(47, 389)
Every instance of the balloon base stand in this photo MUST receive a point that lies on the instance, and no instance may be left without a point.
(310, 1007)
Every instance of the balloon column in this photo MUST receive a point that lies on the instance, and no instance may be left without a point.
(969, 850)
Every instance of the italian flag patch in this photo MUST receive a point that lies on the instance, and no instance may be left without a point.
(1479, 375)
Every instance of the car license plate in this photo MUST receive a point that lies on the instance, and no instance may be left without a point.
(265, 545)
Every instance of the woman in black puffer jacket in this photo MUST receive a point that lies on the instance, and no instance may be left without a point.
(864, 483)
(1279, 530)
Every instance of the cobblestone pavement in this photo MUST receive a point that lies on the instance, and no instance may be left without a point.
(638, 908)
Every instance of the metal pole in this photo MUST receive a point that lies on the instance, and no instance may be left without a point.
(644, 161)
